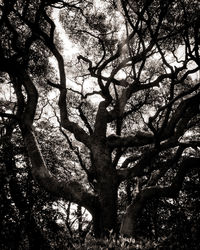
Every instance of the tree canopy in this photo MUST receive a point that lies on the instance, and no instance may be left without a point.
(100, 105)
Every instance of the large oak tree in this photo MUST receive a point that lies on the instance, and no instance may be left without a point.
(139, 61)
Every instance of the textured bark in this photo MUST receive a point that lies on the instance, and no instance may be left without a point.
(107, 185)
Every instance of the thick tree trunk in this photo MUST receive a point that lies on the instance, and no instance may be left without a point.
(108, 209)
(105, 218)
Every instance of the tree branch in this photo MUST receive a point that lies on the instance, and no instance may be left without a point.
(133, 211)
(140, 139)
(68, 190)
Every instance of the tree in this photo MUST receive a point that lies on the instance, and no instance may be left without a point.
(142, 59)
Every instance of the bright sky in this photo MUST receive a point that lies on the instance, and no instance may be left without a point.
(70, 51)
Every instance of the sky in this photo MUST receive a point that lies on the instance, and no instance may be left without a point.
(70, 51)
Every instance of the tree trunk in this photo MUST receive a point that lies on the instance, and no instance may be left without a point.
(105, 218)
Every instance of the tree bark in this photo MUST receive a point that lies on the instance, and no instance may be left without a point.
(105, 218)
